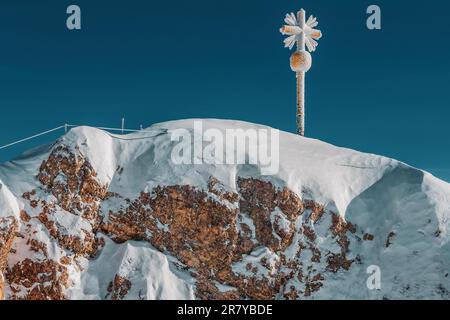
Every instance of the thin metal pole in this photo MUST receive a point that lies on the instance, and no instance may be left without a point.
(301, 103)
(301, 17)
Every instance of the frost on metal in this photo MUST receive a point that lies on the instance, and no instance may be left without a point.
(303, 34)
(295, 28)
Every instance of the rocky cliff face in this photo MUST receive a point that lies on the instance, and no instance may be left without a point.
(8, 227)
(167, 236)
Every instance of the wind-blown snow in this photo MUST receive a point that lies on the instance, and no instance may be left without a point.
(141, 264)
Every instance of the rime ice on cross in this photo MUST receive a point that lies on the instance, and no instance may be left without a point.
(303, 34)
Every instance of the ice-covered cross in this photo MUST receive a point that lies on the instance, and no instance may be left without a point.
(302, 33)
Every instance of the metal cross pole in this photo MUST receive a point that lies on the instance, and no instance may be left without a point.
(301, 78)
(302, 34)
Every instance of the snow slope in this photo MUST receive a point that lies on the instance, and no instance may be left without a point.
(384, 197)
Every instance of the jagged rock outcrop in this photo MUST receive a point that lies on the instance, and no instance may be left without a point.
(214, 237)
(118, 289)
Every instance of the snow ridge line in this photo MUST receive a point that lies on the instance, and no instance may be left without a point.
(65, 127)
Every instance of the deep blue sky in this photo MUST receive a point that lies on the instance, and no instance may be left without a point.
(384, 92)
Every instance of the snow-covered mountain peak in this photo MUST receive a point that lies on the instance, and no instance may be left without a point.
(310, 230)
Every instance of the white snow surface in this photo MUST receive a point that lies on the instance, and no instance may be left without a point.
(376, 193)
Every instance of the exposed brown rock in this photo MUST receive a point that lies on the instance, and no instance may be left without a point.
(202, 234)
(8, 229)
(340, 229)
(44, 280)
(206, 290)
(38, 246)
(317, 210)
(368, 237)
(309, 233)
(24, 216)
(217, 188)
(118, 289)
(259, 199)
(313, 284)
(74, 184)
(71, 179)
(199, 227)
(84, 247)
(292, 294)
(289, 203)
(65, 260)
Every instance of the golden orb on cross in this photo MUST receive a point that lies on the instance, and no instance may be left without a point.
(301, 61)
